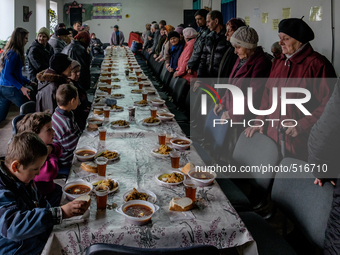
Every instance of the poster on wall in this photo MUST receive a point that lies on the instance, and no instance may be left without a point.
(264, 18)
(26, 12)
(107, 11)
(315, 13)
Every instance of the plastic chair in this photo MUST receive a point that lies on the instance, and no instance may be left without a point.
(114, 249)
(14, 125)
(28, 107)
(180, 93)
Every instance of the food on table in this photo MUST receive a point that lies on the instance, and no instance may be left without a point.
(85, 153)
(181, 204)
(171, 178)
(118, 95)
(108, 154)
(180, 142)
(98, 112)
(103, 88)
(116, 79)
(135, 195)
(108, 182)
(165, 115)
(85, 198)
(202, 175)
(163, 149)
(143, 102)
(136, 91)
(116, 87)
(116, 107)
(114, 74)
(138, 211)
(132, 78)
(90, 167)
(120, 123)
(77, 189)
(92, 127)
(151, 120)
(187, 168)
(96, 100)
(133, 84)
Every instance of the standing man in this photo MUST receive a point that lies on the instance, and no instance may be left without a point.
(117, 37)
(200, 17)
(59, 40)
(157, 35)
(76, 28)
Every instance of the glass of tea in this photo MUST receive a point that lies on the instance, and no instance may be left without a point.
(101, 165)
(175, 156)
(153, 111)
(102, 133)
(108, 89)
(107, 112)
(132, 111)
(101, 195)
(190, 189)
(141, 84)
(145, 95)
(161, 137)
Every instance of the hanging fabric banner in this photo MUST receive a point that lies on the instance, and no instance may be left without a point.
(107, 11)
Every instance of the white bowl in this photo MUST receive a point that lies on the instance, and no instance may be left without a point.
(85, 158)
(180, 146)
(165, 116)
(157, 102)
(202, 182)
(151, 91)
(135, 220)
(96, 120)
(72, 183)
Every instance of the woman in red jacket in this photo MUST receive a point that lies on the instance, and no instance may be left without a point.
(189, 37)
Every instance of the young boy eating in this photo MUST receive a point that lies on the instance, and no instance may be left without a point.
(26, 220)
(67, 132)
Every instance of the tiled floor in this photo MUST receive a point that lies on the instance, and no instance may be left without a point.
(6, 129)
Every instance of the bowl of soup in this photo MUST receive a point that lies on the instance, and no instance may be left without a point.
(77, 188)
(201, 177)
(137, 212)
(181, 143)
(86, 153)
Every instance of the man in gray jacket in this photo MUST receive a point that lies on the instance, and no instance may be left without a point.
(155, 30)
(194, 60)
(58, 40)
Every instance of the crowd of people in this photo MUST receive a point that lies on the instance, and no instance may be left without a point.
(59, 73)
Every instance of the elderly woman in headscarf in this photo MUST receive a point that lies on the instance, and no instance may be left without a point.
(77, 50)
(161, 56)
(189, 37)
(252, 63)
(175, 51)
(298, 60)
(169, 46)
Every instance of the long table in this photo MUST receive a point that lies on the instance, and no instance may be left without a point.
(213, 221)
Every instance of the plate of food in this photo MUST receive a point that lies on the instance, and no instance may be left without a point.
(116, 87)
(131, 78)
(111, 183)
(114, 74)
(136, 91)
(161, 151)
(118, 96)
(120, 124)
(141, 103)
(147, 83)
(116, 108)
(98, 106)
(116, 80)
(98, 112)
(133, 84)
(170, 178)
(165, 116)
(140, 194)
(151, 121)
(151, 91)
(110, 155)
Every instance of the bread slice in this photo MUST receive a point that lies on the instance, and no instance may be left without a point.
(181, 204)
(92, 127)
(98, 112)
(86, 198)
(187, 167)
(89, 167)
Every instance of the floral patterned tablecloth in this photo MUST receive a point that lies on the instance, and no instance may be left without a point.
(215, 221)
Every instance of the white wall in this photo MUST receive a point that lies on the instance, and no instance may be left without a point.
(141, 12)
(322, 29)
(6, 17)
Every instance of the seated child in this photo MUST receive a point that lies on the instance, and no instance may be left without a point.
(41, 124)
(67, 132)
(26, 220)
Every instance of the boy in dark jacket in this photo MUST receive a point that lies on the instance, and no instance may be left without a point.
(26, 219)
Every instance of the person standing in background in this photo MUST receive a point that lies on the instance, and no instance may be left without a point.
(117, 37)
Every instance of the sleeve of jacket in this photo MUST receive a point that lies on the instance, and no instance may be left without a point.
(9, 70)
(185, 56)
(167, 55)
(100, 43)
(156, 40)
(201, 71)
(17, 224)
(36, 59)
(324, 139)
(122, 38)
(112, 38)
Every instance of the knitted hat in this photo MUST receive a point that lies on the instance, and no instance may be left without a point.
(189, 33)
(75, 64)
(45, 31)
(179, 30)
(245, 37)
(59, 62)
(173, 34)
(62, 31)
(296, 28)
(84, 38)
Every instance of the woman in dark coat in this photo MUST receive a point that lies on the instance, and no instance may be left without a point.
(77, 50)
(96, 45)
(175, 51)
(39, 54)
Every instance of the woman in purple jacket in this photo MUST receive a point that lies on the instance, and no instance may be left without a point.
(11, 79)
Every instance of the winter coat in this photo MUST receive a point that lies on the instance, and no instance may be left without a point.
(26, 219)
(194, 60)
(227, 63)
(113, 39)
(48, 83)
(306, 63)
(57, 44)
(83, 110)
(145, 37)
(167, 48)
(156, 38)
(183, 59)
(96, 49)
(215, 47)
(77, 51)
(160, 45)
(38, 58)
(249, 75)
(175, 53)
